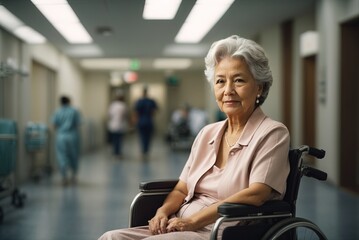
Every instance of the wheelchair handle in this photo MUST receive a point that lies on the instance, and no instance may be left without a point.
(315, 152)
(314, 173)
(318, 153)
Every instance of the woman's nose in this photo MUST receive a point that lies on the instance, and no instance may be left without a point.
(229, 89)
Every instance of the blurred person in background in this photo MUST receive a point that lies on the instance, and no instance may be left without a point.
(145, 109)
(66, 121)
(117, 124)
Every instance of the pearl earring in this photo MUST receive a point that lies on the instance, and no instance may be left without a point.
(257, 100)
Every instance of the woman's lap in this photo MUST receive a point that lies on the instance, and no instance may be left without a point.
(139, 233)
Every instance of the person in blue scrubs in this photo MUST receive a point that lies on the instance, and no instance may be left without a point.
(145, 108)
(66, 121)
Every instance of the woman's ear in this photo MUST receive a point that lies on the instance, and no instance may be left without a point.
(260, 89)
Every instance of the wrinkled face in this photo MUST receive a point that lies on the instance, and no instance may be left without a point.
(235, 88)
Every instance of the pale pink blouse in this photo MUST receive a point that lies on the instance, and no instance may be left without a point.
(205, 193)
(260, 155)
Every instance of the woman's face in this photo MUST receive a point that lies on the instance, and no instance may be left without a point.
(235, 88)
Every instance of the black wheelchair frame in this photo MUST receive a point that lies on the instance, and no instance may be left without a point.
(277, 218)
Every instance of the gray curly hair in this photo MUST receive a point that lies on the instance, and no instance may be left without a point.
(250, 51)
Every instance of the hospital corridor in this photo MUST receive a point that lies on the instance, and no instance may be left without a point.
(99, 201)
(237, 99)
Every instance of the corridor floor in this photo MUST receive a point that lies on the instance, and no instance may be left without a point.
(101, 199)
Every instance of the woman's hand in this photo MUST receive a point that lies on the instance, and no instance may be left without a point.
(180, 224)
(158, 224)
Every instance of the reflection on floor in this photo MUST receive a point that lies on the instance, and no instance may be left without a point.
(106, 186)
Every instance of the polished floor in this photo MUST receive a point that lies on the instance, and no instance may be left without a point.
(100, 201)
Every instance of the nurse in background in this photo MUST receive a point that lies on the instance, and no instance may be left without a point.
(145, 109)
(66, 121)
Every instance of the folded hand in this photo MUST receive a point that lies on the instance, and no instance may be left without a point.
(158, 224)
(180, 224)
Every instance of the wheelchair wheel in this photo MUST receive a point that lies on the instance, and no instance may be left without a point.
(294, 229)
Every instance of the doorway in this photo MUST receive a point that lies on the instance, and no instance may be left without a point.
(309, 100)
(349, 106)
(43, 105)
(43, 90)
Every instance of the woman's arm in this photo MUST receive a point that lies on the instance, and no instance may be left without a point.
(171, 205)
(256, 194)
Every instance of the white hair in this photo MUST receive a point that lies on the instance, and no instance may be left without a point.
(237, 47)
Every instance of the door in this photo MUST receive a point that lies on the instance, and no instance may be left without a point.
(43, 105)
(43, 90)
(309, 100)
(349, 106)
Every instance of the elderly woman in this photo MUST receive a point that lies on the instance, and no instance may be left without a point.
(246, 154)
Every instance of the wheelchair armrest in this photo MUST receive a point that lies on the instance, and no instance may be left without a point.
(151, 196)
(243, 210)
(157, 185)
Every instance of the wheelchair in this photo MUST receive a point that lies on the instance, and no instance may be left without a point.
(276, 219)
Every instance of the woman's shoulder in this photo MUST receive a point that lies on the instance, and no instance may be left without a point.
(269, 126)
(271, 123)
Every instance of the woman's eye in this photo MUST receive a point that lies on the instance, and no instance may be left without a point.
(238, 80)
(219, 81)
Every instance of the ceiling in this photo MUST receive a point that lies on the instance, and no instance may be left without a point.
(134, 37)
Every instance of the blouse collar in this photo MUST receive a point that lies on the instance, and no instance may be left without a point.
(250, 128)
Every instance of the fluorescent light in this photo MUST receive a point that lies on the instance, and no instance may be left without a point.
(18, 28)
(29, 35)
(49, 2)
(8, 20)
(83, 50)
(160, 9)
(116, 79)
(172, 63)
(203, 16)
(309, 43)
(63, 18)
(186, 50)
(106, 64)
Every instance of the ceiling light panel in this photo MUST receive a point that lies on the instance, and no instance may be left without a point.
(29, 35)
(84, 51)
(18, 28)
(106, 64)
(172, 63)
(160, 9)
(186, 50)
(60, 14)
(203, 16)
(8, 20)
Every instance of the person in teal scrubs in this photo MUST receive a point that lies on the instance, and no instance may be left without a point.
(66, 121)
